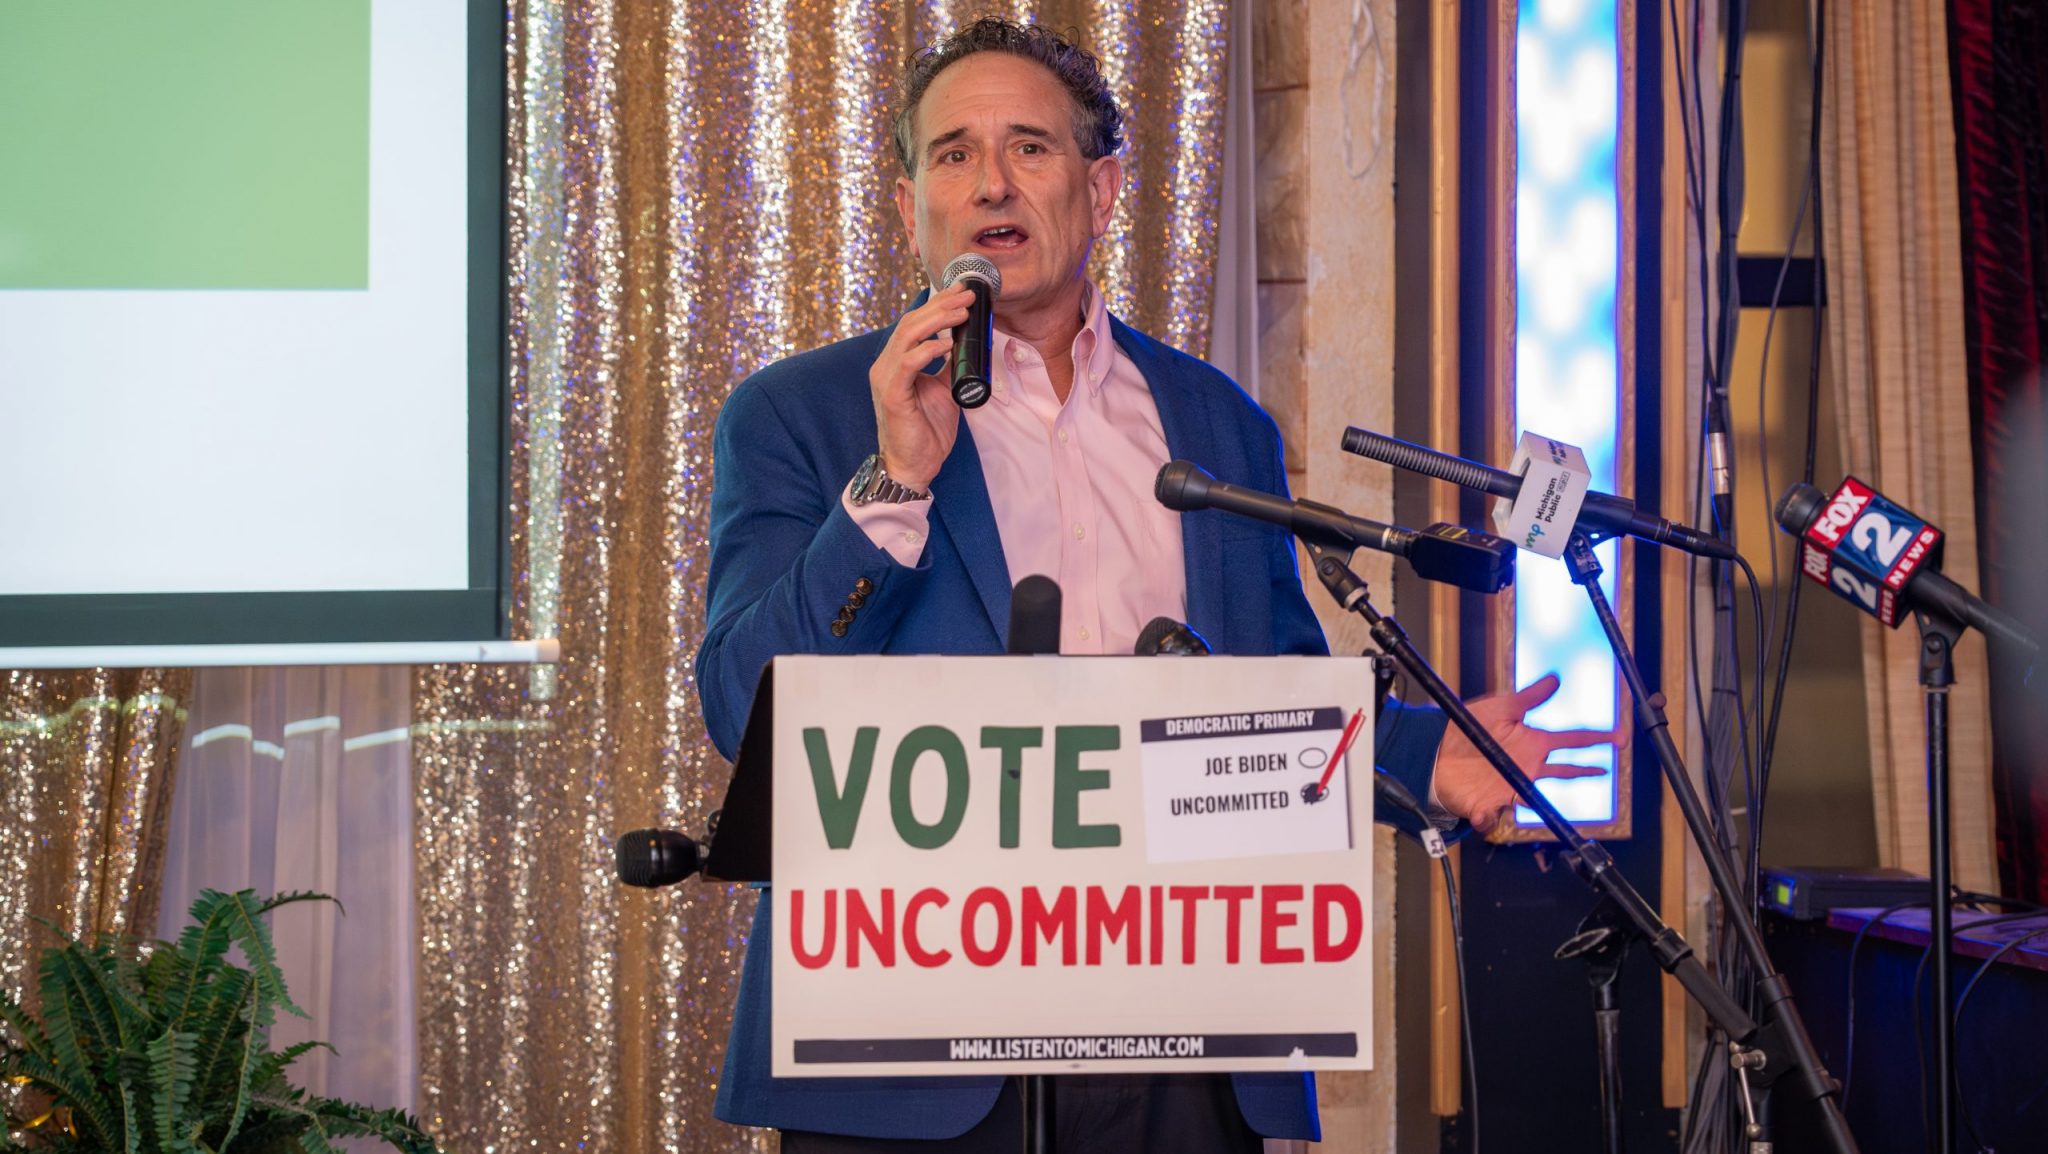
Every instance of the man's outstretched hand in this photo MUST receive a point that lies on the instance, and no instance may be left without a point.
(1465, 781)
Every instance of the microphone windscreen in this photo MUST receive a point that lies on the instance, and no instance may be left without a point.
(656, 857)
(1035, 616)
(1165, 636)
(1182, 486)
(1798, 507)
(972, 266)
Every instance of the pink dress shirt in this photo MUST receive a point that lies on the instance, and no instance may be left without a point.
(1072, 489)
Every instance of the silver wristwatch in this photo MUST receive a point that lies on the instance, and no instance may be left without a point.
(872, 483)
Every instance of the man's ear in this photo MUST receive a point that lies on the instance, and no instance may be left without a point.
(906, 207)
(1105, 184)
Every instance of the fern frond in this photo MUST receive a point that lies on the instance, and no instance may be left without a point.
(394, 1127)
(16, 1018)
(90, 1111)
(224, 1021)
(242, 915)
(172, 1070)
(79, 1018)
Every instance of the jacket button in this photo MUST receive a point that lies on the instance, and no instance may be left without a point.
(839, 628)
(864, 586)
(856, 599)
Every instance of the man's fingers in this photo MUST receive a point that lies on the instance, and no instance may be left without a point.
(1567, 769)
(1536, 692)
(1573, 738)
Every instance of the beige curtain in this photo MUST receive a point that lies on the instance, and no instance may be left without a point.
(1895, 331)
(697, 189)
(86, 764)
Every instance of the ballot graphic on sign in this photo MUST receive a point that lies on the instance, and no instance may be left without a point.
(1227, 785)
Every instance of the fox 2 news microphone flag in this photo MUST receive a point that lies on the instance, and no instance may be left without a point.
(1866, 548)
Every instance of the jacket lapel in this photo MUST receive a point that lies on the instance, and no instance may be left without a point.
(1190, 435)
(962, 503)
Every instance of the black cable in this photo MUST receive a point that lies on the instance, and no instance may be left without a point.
(1464, 1000)
(1963, 999)
(1756, 829)
(1856, 947)
(1818, 29)
(1913, 1006)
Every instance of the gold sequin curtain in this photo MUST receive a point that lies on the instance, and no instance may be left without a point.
(696, 190)
(86, 761)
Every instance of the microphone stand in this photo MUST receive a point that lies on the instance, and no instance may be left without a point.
(1938, 637)
(1588, 858)
(1757, 1059)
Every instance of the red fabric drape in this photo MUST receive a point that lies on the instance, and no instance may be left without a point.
(1997, 48)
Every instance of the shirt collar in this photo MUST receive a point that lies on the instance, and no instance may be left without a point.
(1094, 347)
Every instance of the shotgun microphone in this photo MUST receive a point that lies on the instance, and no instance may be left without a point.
(1602, 513)
(1447, 553)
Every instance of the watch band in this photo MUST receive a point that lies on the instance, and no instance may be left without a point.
(873, 484)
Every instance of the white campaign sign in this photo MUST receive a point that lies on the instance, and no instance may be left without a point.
(1050, 865)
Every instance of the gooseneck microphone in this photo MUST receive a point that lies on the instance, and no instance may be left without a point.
(1446, 553)
(1601, 512)
(1884, 560)
(976, 335)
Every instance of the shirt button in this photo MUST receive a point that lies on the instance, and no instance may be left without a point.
(1063, 436)
(1084, 633)
(1079, 532)
(913, 537)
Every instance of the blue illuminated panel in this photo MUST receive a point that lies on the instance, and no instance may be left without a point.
(1567, 97)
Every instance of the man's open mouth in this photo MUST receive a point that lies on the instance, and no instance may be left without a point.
(1001, 237)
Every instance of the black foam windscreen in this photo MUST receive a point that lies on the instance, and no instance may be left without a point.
(1035, 615)
(657, 857)
(1165, 636)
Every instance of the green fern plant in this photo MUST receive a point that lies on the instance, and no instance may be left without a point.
(169, 1052)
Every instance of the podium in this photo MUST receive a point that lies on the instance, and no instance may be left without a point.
(1051, 865)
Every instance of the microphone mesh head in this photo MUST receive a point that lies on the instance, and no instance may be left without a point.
(970, 266)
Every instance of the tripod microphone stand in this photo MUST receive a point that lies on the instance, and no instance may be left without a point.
(1786, 1035)
(1755, 1061)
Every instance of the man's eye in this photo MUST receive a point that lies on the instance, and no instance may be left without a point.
(954, 157)
(1030, 148)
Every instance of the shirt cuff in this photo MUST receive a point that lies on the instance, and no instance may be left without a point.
(1439, 817)
(897, 529)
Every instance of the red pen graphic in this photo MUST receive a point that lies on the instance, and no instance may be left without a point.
(1337, 755)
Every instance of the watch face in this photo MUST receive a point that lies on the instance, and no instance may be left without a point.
(864, 479)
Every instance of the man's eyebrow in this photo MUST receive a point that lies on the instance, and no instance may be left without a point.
(939, 142)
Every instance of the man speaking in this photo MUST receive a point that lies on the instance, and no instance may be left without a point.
(889, 520)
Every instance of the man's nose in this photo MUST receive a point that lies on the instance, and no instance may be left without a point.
(995, 181)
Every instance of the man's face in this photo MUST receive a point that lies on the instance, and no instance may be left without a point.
(1000, 174)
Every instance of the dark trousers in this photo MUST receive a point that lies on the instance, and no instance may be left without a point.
(1098, 1114)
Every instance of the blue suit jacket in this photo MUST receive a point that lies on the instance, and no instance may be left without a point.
(785, 557)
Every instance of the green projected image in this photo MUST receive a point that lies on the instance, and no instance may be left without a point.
(207, 144)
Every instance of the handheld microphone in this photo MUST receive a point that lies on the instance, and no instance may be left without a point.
(1165, 637)
(1035, 616)
(1455, 556)
(1601, 512)
(1881, 558)
(657, 857)
(976, 335)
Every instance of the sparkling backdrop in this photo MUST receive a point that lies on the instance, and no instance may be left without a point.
(696, 190)
(86, 761)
